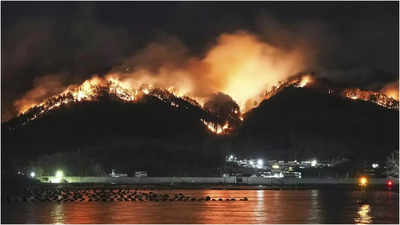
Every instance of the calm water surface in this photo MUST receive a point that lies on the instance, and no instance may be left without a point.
(264, 206)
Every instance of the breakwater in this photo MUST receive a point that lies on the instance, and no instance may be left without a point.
(71, 194)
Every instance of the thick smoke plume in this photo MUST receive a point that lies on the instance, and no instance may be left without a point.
(239, 64)
(44, 87)
(240, 57)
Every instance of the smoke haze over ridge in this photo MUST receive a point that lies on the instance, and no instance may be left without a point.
(200, 48)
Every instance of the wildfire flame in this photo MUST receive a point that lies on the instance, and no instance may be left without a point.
(216, 128)
(304, 81)
(92, 88)
(295, 81)
(87, 91)
(239, 65)
(391, 90)
(371, 96)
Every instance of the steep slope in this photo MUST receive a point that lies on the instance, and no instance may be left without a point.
(153, 129)
(303, 122)
(105, 121)
(150, 134)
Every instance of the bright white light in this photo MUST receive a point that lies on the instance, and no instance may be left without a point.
(375, 165)
(59, 177)
(260, 163)
(314, 163)
(59, 174)
(33, 174)
(275, 166)
(252, 163)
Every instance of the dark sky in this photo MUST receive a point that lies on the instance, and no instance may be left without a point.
(354, 42)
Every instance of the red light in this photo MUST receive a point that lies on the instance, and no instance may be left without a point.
(389, 183)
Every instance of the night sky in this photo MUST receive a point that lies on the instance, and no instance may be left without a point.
(355, 43)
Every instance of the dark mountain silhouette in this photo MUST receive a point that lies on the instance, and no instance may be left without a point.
(121, 135)
(304, 122)
(155, 135)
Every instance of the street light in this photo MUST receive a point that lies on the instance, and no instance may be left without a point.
(33, 174)
(252, 163)
(59, 174)
(314, 163)
(58, 177)
(363, 181)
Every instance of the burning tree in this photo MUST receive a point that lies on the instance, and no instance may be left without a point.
(224, 108)
(392, 164)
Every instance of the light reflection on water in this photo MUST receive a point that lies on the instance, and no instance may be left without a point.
(264, 206)
(57, 214)
(364, 217)
(259, 207)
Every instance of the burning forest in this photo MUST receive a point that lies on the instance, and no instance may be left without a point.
(226, 114)
(372, 96)
(233, 77)
(141, 88)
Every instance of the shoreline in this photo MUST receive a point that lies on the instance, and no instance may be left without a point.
(58, 192)
(184, 186)
(10, 186)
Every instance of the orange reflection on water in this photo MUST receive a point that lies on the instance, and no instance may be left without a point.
(263, 206)
(363, 215)
(57, 213)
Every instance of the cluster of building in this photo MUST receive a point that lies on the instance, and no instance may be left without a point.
(271, 168)
(137, 174)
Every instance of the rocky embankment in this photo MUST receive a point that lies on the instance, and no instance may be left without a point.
(61, 195)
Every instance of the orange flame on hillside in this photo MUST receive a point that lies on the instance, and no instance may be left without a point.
(87, 91)
(216, 128)
(304, 81)
(372, 96)
(91, 89)
(391, 90)
(239, 65)
(295, 81)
